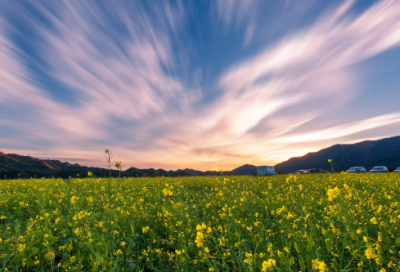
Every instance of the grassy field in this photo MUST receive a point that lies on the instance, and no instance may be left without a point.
(331, 222)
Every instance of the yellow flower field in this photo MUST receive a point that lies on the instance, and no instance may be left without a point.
(331, 222)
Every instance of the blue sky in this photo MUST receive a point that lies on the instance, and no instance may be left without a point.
(199, 84)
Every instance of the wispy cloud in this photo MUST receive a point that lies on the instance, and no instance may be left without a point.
(236, 12)
(314, 65)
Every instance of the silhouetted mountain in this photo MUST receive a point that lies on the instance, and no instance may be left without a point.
(247, 169)
(191, 171)
(14, 161)
(384, 152)
(14, 166)
(135, 172)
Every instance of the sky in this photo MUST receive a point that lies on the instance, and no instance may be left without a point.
(208, 85)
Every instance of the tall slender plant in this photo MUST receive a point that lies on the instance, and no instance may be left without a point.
(330, 161)
(119, 167)
(109, 157)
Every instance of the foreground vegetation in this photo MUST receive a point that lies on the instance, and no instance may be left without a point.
(338, 222)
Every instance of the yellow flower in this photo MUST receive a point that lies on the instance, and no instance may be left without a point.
(329, 160)
(207, 250)
(333, 194)
(89, 174)
(320, 265)
(21, 247)
(199, 239)
(374, 221)
(74, 199)
(145, 229)
(268, 264)
(365, 239)
(369, 253)
(167, 192)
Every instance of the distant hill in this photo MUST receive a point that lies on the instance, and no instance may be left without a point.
(247, 169)
(14, 161)
(14, 166)
(191, 171)
(384, 152)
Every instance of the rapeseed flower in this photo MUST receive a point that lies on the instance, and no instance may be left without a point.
(319, 265)
(199, 239)
(74, 199)
(268, 264)
(333, 194)
(369, 253)
(145, 229)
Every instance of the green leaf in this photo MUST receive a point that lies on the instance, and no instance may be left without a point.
(17, 258)
(33, 252)
(323, 232)
(328, 244)
(30, 263)
(98, 258)
(310, 241)
(296, 247)
(53, 240)
(133, 230)
(397, 243)
(132, 265)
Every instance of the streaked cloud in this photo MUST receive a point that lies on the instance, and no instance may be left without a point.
(82, 76)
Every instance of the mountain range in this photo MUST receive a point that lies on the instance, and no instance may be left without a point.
(367, 153)
(384, 152)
